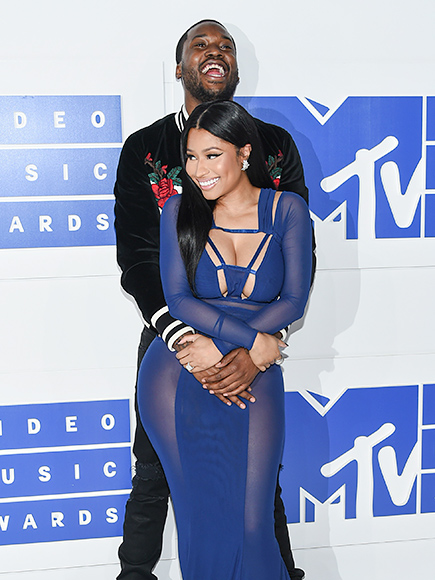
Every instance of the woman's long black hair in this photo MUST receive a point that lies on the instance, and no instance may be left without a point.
(230, 122)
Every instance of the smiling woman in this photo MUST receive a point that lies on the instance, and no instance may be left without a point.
(216, 165)
(235, 264)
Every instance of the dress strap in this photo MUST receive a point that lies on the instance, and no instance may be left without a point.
(257, 253)
(265, 210)
(216, 251)
(234, 230)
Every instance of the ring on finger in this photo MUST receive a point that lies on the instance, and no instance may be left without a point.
(279, 361)
(189, 367)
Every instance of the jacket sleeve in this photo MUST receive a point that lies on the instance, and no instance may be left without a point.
(292, 176)
(137, 226)
(292, 179)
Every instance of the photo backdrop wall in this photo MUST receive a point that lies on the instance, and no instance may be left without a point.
(352, 83)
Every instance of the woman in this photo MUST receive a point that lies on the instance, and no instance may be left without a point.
(235, 265)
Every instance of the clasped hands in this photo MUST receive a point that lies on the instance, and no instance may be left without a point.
(228, 378)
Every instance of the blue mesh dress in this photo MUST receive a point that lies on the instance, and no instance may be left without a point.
(221, 462)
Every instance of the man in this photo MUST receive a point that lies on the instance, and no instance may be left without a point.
(148, 174)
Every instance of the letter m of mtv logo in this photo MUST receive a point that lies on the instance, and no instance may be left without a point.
(369, 161)
(366, 454)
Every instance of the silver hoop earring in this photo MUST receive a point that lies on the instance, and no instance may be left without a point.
(245, 165)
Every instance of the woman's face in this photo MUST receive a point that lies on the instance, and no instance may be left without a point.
(215, 165)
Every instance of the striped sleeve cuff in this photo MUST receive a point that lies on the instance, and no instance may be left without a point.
(284, 332)
(169, 328)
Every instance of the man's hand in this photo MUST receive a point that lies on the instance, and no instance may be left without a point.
(230, 379)
(232, 376)
(208, 374)
(177, 345)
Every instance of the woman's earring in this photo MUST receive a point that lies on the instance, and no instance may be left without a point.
(245, 165)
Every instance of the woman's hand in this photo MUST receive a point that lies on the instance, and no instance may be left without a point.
(265, 350)
(198, 351)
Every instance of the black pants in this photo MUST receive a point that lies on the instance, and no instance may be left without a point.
(147, 507)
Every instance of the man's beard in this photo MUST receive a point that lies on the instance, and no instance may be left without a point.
(222, 92)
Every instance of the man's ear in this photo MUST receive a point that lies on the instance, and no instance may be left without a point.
(178, 71)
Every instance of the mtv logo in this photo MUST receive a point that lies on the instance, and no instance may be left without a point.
(369, 453)
(370, 161)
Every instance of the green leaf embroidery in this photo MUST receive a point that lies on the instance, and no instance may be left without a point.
(174, 172)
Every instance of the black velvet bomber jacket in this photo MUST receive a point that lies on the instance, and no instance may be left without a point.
(149, 172)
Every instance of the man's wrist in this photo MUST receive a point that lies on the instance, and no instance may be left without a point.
(281, 334)
(170, 329)
(176, 345)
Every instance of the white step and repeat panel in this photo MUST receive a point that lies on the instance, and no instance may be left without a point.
(352, 83)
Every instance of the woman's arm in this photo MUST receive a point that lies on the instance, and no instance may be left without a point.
(296, 248)
(297, 254)
(182, 304)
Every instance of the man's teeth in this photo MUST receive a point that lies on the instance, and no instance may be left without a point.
(209, 182)
(213, 66)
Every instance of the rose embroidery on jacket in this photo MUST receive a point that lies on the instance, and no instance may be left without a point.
(163, 183)
(272, 166)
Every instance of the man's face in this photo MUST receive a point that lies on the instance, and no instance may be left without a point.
(208, 67)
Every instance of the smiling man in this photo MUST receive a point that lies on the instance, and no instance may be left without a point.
(206, 76)
(148, 174)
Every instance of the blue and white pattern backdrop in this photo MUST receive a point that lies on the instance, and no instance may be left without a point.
(64, 470)
(359, 461)
(359, 465)
(56, 178)
(370, 162)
